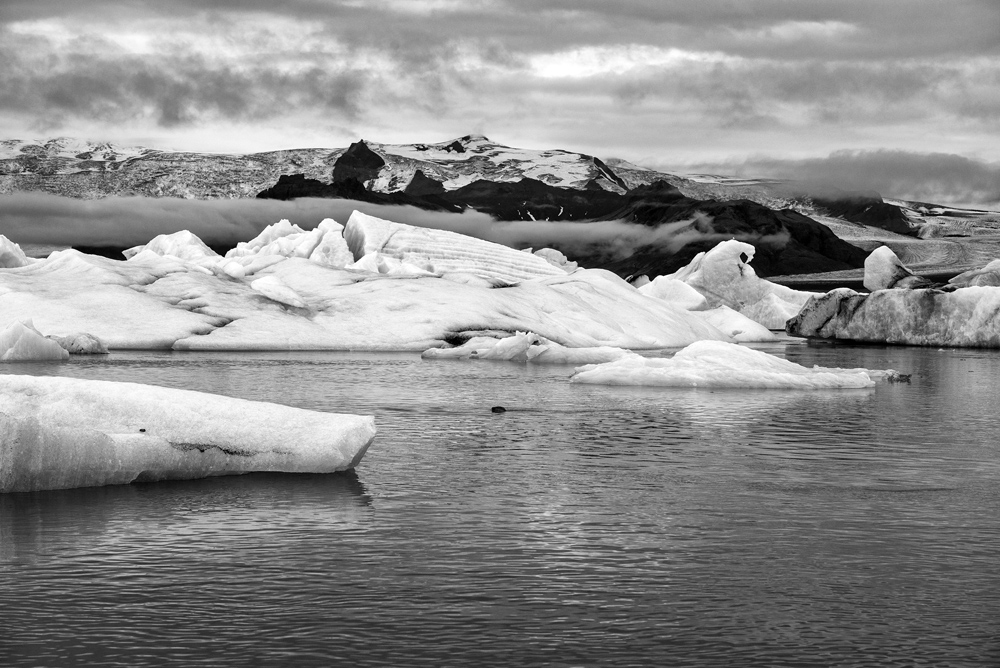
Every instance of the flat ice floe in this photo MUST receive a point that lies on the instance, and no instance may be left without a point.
(177, 293)
(715, 364)
(58, 433)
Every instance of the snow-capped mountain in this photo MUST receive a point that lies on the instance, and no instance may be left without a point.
(83, 169)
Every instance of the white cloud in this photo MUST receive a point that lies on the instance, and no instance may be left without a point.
(593, 61)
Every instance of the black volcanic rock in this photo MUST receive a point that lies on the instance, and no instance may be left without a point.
(294, 186)
(608, 173)
(421, 184)
(358, 162)
(530, 199)
(787, 242)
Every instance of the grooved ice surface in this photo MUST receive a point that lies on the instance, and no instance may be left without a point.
(715, 364)
(441, 251)
(58, 433)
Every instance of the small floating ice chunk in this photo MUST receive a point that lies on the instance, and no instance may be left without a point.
(59, 433)
(527, 347)
(716, 364)
(274, 288)
(81, 343)
(21, 342)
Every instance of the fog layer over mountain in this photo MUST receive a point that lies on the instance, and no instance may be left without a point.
(39, 218)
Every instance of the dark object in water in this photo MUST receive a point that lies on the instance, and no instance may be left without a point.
(498, 409)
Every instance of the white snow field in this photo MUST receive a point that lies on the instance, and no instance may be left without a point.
(526, 347)
(58, 433)
(176, 293)
(724, 277)
(716, 364)
(966, 317)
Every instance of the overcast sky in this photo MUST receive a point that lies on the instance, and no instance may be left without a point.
(783, 86)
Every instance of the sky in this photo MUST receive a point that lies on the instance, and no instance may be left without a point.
(889, 93)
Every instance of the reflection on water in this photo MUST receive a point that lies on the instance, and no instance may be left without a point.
(586, 526)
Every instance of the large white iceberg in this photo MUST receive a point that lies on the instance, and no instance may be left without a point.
(724, 277)
(441, 251)
(164, 301)
(58, 433)
(715, 364)
(966, 317)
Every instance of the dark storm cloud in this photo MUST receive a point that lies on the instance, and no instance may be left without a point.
(905, 28)
(939, 178)
(174, 89)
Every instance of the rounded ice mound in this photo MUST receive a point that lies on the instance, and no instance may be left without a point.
(184, 245)
(274, 288)
(676, 292)
(81, 344)
(884, 271)
(556, 259)
(716, 364)
(280, 238)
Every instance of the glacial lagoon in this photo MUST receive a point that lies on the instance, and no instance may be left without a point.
(586, 525)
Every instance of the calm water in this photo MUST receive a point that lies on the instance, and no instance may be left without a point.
(586, 526)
